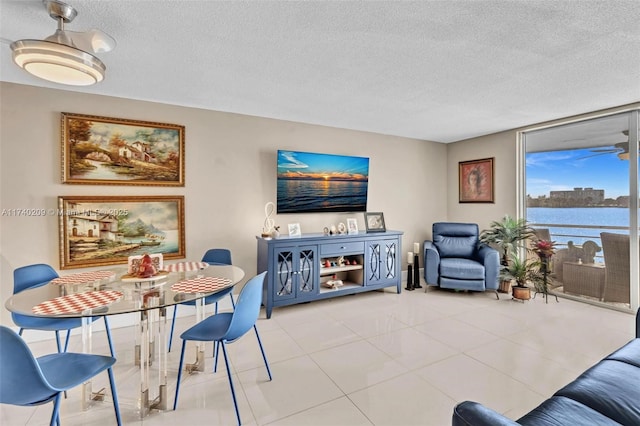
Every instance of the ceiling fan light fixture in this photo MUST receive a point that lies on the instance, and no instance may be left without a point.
(57, 62)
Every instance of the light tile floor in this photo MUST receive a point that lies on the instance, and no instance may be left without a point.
(371, 359)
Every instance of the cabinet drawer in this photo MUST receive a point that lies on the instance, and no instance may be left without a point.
(339, 249)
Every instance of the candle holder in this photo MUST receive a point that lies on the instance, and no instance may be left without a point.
(416, 271)
(409, 278)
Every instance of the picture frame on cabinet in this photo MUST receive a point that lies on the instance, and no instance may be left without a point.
(352, 226)
(294, 230)
(374, 222)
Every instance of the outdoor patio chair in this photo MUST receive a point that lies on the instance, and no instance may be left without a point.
(617, 282)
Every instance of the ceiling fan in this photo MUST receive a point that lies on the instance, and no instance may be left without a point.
(64, 57)
(621, 149)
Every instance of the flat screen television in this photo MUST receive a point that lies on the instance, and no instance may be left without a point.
(310, 182)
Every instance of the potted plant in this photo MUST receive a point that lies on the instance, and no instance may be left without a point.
(545, 249)
(522, 272)
(507, 235)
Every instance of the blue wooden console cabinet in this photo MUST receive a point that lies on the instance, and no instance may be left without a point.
(306, 268)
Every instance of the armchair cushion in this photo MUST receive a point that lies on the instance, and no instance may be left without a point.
(466, 269)
(456, 246)
(455, 239)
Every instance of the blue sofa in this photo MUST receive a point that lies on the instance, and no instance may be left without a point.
(606, 394)
(456, 259)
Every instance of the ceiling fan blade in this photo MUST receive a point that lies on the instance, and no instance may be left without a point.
(623, 146)
(94, 41)
(594, 155)
(606, 150)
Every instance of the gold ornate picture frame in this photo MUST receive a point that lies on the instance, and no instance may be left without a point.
(118, 151)
(98, 231)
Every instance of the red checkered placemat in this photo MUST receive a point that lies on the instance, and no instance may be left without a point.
(83, 277)
(201, 285)
(185, 266)
(77, 302)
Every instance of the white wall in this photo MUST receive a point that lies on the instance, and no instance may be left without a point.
(230, 175)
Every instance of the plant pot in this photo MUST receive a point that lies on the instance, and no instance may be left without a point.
(505, 286)
(521, 293)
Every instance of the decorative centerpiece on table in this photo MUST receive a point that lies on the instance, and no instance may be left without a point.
(146, 267)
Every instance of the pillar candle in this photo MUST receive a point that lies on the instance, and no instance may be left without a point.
(416, 247)
(410, 258)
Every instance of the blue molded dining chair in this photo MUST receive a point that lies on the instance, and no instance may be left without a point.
(37, 275)
(216, 256)
(228, 327)
(28, 381)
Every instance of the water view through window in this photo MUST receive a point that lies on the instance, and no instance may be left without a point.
(578, 194)
(587, 192)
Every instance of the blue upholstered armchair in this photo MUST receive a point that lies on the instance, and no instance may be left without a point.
(457, 259)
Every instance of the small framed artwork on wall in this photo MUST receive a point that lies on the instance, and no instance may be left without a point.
(476, 181)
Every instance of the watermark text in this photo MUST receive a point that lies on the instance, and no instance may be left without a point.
(35, 212)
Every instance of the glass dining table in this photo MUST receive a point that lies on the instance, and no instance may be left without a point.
(114, 292)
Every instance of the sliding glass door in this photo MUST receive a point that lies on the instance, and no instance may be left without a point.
(580, 189)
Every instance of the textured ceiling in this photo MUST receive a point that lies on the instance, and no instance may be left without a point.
(433, 70)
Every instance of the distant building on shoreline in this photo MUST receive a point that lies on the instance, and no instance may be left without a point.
(577, 197)
(580, 195)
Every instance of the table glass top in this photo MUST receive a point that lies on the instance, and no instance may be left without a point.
(134, 294)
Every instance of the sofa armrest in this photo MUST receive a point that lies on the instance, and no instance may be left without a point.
(490, 258)
(469, 413)
(431, 263)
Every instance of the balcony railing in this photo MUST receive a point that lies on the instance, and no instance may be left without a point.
(563, 233)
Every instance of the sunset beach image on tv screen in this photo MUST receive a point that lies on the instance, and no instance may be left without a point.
(311, 182)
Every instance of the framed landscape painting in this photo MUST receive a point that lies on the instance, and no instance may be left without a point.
(107, 230)
(476, 181)
(117, 151)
